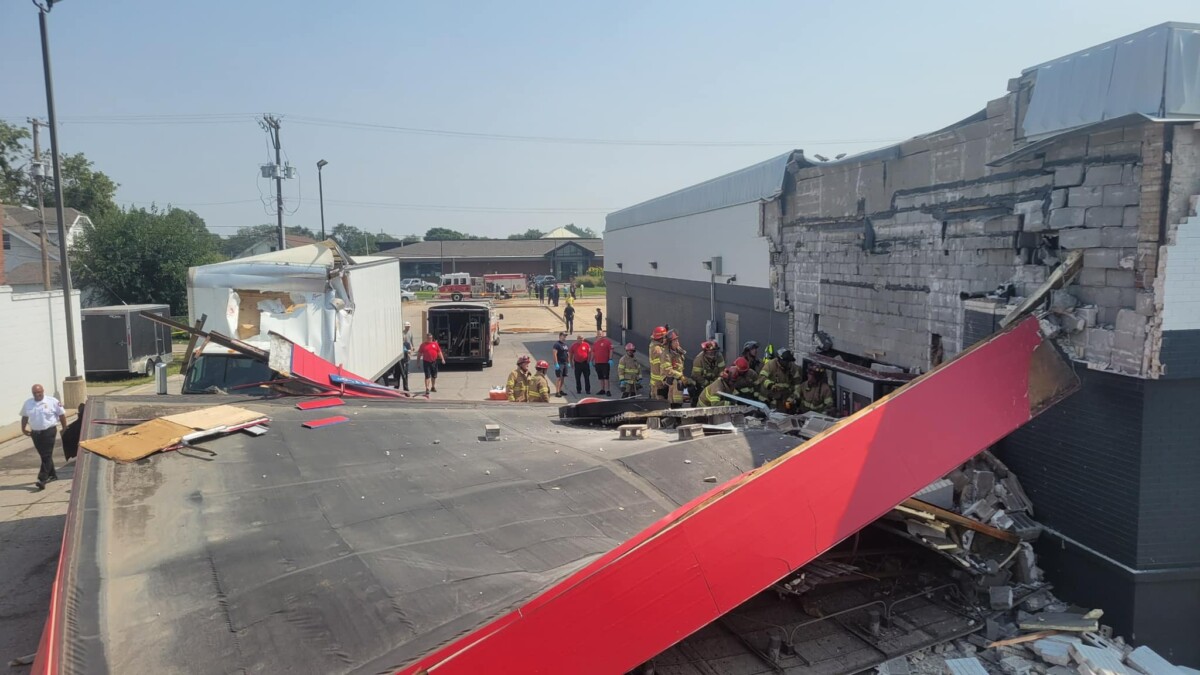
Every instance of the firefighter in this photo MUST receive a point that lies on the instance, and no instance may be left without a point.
(750, 353)
(672, 370)
(629, 372)
(519, 381)
(657, 348)
(711, 394)
(814, 394)
(539, 386)
(779, 379)
(709, 364)
(746, 383)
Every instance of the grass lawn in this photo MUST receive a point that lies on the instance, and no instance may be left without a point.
(591, 292)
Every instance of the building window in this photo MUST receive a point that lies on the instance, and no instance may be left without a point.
(7, 242)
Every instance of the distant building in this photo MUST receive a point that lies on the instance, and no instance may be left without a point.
(269, 244)
(564, 258)
(22, 246)
(560, 233)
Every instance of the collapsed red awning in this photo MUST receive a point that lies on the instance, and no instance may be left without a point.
(718, 551)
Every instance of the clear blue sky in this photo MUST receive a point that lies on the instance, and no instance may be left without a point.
(826, 77)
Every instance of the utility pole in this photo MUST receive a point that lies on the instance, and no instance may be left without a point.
(271, 124)
(74, 388)
(37, 171)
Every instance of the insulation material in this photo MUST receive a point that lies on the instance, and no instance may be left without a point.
(717, 551)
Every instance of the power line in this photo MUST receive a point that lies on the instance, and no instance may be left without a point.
(399, 206)
(227, 118)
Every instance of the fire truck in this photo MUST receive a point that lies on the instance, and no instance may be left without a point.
(458, 286)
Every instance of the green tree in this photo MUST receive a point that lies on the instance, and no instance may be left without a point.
(410, 239)
(14, 180)
(446, 234)
(143, 255)
(356, 241)
(245, 237)
(585, 232)
(84, 188)
(531, 233)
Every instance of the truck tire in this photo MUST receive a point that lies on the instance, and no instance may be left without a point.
(149, 367)
(457, 297)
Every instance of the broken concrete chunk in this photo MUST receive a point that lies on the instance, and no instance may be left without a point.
(983, 481)
(1023, 571)
(896, 666)
(1001, 597)
(1094, 614)
(969, 666)
(1059, 621)
(996, 629)
(1052, 651)
(939, 493)
(1062, 670)
(1061, 301)
(1099, 660)
(1147, 661)
(1015, 665)
(980, 510)
(1001, 520)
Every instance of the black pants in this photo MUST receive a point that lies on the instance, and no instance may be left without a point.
(400, 373)
(44, 442)
(583, 370)
(570, 324)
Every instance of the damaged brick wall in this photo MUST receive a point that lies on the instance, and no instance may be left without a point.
(877, 253)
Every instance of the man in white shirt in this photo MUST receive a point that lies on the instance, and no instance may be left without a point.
(38, 417)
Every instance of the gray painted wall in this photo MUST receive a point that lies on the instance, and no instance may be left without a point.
(685, 306)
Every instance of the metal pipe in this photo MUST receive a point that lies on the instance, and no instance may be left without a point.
(63, 264)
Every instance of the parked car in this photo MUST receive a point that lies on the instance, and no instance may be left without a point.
(407, 296)
(426, 286)
(545, 279)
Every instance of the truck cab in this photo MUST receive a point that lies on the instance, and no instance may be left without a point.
(217, 370)
(458, 286)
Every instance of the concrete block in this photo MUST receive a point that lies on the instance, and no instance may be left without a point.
(939, 493)
(1098, 660)
(1088, 314)
(1058, 199)
(1066, 176)
(1066, 217)
(1130, 218)
(1120, 195)
(970, 666)
(1119, 278)
(1001, 597)
(1109, 174)
(1092, 277)
(1016, 665)
(1147, 661)
(1099, 346)
(1144, 304)
(1107, 258)
(1119, 237)
(1129, 321)
(1092, 195)
(1078, 237)
(1104, 216)
(1052, 651)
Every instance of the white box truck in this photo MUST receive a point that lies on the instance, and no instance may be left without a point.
(346, 310)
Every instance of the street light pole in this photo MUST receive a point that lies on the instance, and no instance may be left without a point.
(321, 191)
(64, 265)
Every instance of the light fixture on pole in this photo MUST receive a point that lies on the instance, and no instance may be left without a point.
(74, 388)
(321, 191)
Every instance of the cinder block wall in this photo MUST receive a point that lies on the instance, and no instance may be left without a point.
(877, 253)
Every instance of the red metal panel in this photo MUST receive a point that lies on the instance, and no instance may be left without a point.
(715, 553)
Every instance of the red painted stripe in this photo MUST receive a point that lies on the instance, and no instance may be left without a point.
(325, 422)
(320, 403)
(715, 553)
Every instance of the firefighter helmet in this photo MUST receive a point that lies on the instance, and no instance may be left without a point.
(709, 345)
(750, 344)
(672, 335)
(523, 359)
(731, 373)
(631, 347)
(741, 364)
(787, 356)
(659, 333)
(542, 365)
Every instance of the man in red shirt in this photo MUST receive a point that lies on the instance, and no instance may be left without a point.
(581, 356)
(431, 355)
(602, 356)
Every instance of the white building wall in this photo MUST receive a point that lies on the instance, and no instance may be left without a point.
(33, 346)
(1181, 279)
(681, 244)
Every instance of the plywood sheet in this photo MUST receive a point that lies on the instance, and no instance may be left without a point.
(216, 416)
(137, 442)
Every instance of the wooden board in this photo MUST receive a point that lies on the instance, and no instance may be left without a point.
(216, 416)
(137, 442)
(969, 523)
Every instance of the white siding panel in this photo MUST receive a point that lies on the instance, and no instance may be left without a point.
(33, 346)
(680, 245)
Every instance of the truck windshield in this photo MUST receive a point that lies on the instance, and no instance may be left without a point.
(217, 373)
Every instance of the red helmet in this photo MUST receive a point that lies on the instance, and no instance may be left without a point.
(741, 364)
(631, 347)
(542, 365)
(731, 373)
(523, 359)
(708, 345)
(672, 335)
(659, 333)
